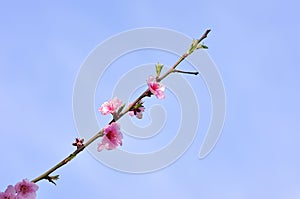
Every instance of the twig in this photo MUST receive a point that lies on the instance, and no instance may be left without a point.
(185, 72)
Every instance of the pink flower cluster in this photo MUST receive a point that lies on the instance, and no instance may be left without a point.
(22, 190)
(112, 137)
(156, 88)
(110, 107)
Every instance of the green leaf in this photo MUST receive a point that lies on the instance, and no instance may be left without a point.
(193, 46)
(202, 46)
(158, 68)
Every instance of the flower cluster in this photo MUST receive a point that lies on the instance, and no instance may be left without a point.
(110, 106)
(156, 88)
(112, 136)
(22, 190)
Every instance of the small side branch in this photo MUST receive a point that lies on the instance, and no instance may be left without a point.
(185, 72)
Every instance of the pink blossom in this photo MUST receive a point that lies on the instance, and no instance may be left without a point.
(137, 110)
(112, 137)
(26, 190)
(110, 107)
(10, 193)
(156, 88)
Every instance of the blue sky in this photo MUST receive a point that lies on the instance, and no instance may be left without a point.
(254, 44)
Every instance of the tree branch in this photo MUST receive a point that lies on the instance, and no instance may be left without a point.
(146, 93)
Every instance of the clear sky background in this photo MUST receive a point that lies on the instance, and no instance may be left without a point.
(253, 43)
